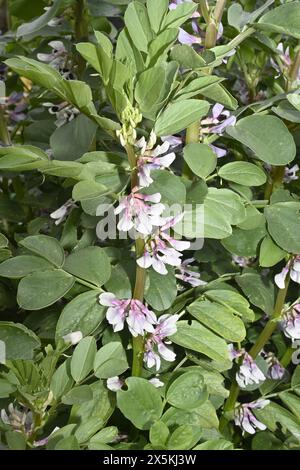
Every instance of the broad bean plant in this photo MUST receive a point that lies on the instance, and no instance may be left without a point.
(149, 203)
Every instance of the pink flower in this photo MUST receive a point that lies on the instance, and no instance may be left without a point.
(150, 159)
(138, 317)
(162, 249)
(217, 120)
(291, 323)
(186, 38)
(172, 140)
(245, 419)
(155, 347)
(293, 265)
(249, 373)
(187, 275)
(140, 211)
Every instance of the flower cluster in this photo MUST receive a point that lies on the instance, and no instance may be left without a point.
(58, 59)
(152, 158)
(245, 419)
(21, 419)
(290, 323)
(161, 249)
(141, 321)
(292, 267)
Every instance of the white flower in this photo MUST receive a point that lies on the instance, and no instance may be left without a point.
(245, 419)
(249, 373)
(138, 317)
(73, 338)
(114, 383)
(155, 347)
(293, 265)
(156, 382)
(150, 159)
(161, 249)
(59, 214)
(188, 275)
(291, 323)
(140, 211)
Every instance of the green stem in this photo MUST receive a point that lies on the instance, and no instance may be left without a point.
(203, 9)
(4, 134)
(219, 10)
(275, 180)
(81, 30)
(294, 70)
(192, 136)
(140, 276)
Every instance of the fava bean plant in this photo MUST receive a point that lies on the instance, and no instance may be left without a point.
(150, 225)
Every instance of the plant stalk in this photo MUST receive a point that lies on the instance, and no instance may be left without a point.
(4, 134)
(140, 276)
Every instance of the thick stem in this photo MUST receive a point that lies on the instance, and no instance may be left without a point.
(203, 9)
(4, 134)
(192, 137)
(192, 132)
(275, 180)
(81, 30)
(4, 16)
(219, 10)
(140, 276)
(294, 70)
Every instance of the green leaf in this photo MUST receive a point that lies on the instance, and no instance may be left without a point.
(180, 115)
(88, 189)
(6, 388)
(39, 73)
(267, 137)
(270, 254)
(244, 242)
(196, 86)
(105, 436)
(78, 395)
(140, 403)
(284, 19)
(215, 444)
(159, 433)
(68, 443)
(61, 381)
(84, 313)
(218, 93)
(198, 338)
(170, 187)
(20, 266)
(83, 358)
(202, 417)
(32, 29)
(91, 264)
(43, 288)
(156, 11)
(46, 247)
(138, 25)
(15, 440)
(98, 58)
(234, 301)
(160, 295)
(148, 88)
(259, 291)
(187, 57)
(292, 402)
(273, 414)
(200, 158)
(179, 15)
(219, 319)
(244, 173)
(284, 224)
(110, 361)
(294, 100)
(101, 406)
(87, 429)
(188, 391)
(184, 437)
(20, 342)
(73, 139)
(3, 241)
